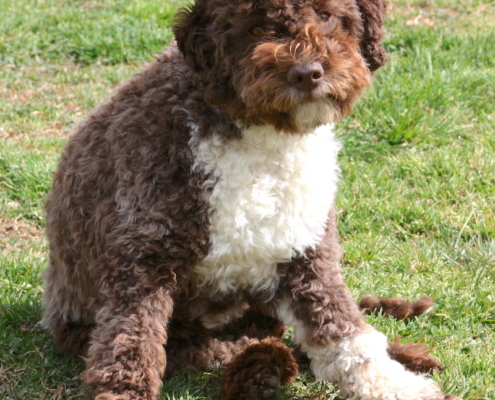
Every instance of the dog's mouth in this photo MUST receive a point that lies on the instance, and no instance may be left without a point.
(310, 114)
(319, 93)
(283, 89)
(290, 108)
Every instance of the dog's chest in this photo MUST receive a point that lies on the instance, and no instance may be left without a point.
(270, 198)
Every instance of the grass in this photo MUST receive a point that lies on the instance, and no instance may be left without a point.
(416, 197)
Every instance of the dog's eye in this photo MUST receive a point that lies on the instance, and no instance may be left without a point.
(324, 16)
(257, 31)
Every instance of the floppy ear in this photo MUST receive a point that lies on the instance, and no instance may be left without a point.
(200, 47)
(372, 14)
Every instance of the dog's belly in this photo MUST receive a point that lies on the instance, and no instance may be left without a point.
(269, 200)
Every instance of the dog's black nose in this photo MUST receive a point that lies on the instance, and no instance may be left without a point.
(305, 77)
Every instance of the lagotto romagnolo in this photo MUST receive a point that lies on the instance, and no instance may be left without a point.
(192, 216)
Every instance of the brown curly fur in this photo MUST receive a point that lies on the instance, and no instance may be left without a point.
(413, 356)
(128, 214)
(396, 307)
(198, 38)
(259, 371)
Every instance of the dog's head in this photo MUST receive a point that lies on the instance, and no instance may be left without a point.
(294, 64)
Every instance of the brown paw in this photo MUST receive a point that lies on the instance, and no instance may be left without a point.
(258, 372)
(443, 397)
(265, 385)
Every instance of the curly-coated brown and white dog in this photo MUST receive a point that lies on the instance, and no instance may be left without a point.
(192, 216)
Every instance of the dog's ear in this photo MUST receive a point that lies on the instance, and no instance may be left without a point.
(372, 14)
(200, 48)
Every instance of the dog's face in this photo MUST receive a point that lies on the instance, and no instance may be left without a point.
(292, 64)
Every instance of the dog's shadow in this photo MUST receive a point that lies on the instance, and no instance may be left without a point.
(187, 385)
(30, 365)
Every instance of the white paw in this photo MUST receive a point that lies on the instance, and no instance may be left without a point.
(364, 371)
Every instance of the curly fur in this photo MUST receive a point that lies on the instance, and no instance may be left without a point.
(397, 308)
(191, 217)
(415, 357)
(259, 371)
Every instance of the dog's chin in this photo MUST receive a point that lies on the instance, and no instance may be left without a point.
(308, 116)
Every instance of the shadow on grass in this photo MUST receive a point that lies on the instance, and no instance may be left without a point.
(30, 364)
(32, 367)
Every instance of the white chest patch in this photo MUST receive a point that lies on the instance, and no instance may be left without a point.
(271, 198)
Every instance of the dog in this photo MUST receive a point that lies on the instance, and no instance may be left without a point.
(192, 216)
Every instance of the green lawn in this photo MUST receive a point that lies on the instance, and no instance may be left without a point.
(417, 197)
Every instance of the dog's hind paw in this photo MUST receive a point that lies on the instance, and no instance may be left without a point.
(265, 384)
(254, 382)
(259, 371)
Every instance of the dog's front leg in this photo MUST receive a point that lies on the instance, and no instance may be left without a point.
(126, 357)
(343, 349)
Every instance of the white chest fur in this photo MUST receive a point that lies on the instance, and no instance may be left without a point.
(271, 199)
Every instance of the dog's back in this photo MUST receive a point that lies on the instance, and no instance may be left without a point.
(126, 172)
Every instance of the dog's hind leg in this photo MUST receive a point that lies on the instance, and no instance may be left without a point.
(203, 351)
(249, 348)
(191, 346)
(65, 315)
(253, 368)
(73, 337)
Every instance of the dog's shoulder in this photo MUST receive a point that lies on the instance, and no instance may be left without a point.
(152, 112)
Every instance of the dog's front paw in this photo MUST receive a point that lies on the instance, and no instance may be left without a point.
(364, 371)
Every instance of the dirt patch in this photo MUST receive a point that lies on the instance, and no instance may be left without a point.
(17, 233)
(462, 14)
